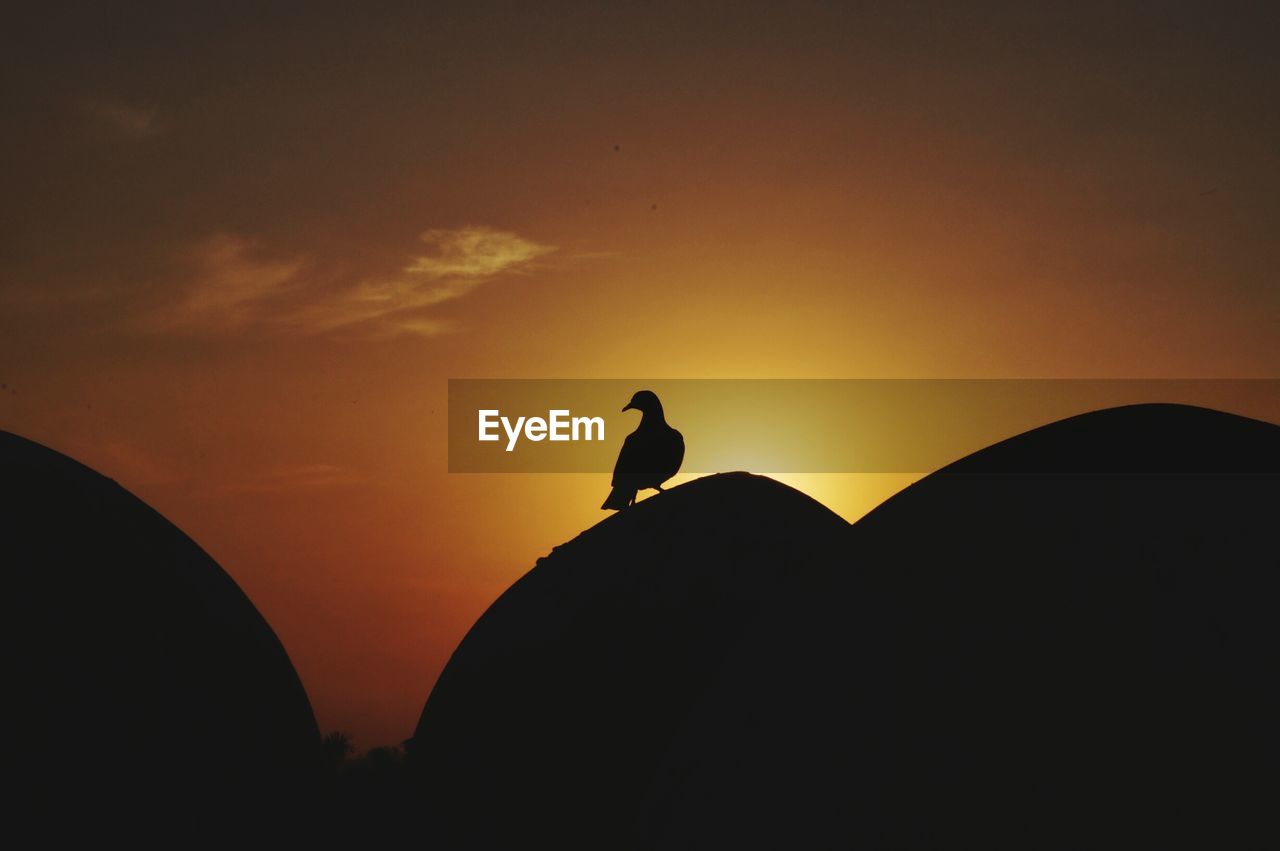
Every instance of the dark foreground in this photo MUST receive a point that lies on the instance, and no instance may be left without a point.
(1065, 640)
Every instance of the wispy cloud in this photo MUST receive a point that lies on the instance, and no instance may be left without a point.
(229, 288)
(233, 288)
(457, 261)
(474, 253)
(121, 118)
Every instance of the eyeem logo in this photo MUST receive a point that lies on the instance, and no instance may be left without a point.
(558, 426)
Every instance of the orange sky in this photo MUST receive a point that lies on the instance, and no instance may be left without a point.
(241, 253)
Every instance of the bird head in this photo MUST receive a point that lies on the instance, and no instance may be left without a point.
(645, 401)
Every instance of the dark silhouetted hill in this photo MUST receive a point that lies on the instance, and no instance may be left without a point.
(143, 683)
(550, 724)
(1065, 640)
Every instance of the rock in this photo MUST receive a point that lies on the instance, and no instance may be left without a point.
(145, 685)
(552, 720)
(1065, 640)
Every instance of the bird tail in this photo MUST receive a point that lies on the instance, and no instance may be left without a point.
(619, 498)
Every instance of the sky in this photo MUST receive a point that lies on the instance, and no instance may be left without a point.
(242, 251)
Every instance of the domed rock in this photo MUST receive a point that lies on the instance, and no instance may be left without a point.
(553, 722)
(1065, 640)
(144, 683)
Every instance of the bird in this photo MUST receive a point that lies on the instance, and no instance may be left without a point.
(650, 455)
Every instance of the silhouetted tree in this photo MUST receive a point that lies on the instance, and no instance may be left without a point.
(337, 747)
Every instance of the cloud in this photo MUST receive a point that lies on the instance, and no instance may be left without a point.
(457, 262)
(474, 253)
(229, 288)
(123, 119)
(394, 301)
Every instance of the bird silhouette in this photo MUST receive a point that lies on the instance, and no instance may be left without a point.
(650, 455)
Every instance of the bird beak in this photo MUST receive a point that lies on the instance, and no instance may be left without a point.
(628, 407)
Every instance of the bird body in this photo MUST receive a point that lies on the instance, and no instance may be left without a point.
(650, 455)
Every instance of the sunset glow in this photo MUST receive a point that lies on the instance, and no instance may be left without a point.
(242, 255)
